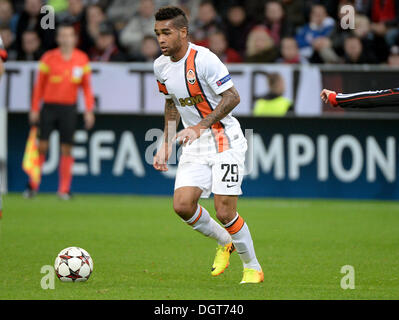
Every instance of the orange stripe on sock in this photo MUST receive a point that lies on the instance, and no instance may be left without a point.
(199, 216)
(236, 226)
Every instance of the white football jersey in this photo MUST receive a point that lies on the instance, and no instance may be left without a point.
(195, 83)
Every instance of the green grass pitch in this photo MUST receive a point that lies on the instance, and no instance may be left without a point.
(142, 250)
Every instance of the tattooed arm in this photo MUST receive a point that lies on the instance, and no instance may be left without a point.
(172, 119)
(172, 116)
(230, 99)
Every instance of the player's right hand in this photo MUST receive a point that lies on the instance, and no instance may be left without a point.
(324, 95)
(34, 118)
(161, 158)
(89, 119)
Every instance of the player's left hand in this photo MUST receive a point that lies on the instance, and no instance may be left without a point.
(324, 95)
(89, 119)
(190, 134)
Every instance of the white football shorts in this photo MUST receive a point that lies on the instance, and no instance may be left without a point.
(219, 173)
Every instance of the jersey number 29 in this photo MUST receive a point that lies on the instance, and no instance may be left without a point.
(231, 174)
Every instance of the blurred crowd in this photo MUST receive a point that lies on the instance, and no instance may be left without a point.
(251, 31)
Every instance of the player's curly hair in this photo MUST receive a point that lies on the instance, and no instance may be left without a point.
(172, 13)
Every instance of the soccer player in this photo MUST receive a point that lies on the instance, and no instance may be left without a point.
(62, 72)
(198, 89)
(3, 58)
(365, 99)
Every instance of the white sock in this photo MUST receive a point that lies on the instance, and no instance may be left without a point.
(202, 222)
(242, 241)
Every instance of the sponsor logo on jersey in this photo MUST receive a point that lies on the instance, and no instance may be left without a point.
(190, 101)
(190, 76)
(223, 80)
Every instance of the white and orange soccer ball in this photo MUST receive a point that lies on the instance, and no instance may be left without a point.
(73, 264)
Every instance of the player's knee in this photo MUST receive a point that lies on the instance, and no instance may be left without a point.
(223, 216)
(184, 209)
(224, 211)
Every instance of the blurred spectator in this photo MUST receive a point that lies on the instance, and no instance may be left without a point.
(354, 53)
(238, 27)
(372, 43)
(385, 19)
(274, 103)
(362, 6)
(332, 6)
(294, 12)
(320, 25)
(384, 12)
(30, 20)
(76, 9)
(323, 51)
(31, 47)
(75, 15)
(190, 8)
(9, 42)
(18, 5)
(206, 23)
(290, 52)
(339, 34)
(275, 22)
(7, 16)
(102, 3)
(149, 50)
(94, 16)
(260, 46)
(219, 46)
(120, 11)
(105, 48)
(393, 58)
(140, 25)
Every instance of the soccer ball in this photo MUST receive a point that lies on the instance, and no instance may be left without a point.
(73, 264)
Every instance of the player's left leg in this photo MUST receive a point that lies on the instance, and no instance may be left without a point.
(65, 172)
(194, 180)
(226, 212)
(185, 204)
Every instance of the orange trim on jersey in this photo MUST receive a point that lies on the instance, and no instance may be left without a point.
(199, 216)
(236, 226)
(162, 88)
(204, 107)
